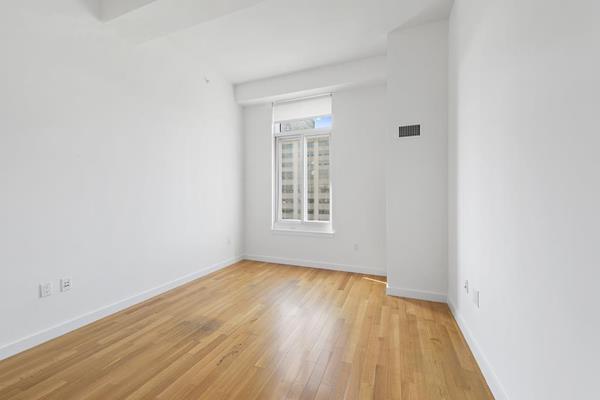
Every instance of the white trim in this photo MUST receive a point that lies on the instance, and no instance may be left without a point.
(304, 132)
(317, 264)
(55, 331)
(416, 294)
(303, 224)
(484, 365)
(302, 231)
(324, 227)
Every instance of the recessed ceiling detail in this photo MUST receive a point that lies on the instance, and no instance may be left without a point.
(253, 39)
(143, 20)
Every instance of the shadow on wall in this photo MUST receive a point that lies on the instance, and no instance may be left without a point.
(92, 6)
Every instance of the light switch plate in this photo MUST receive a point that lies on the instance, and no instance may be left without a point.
(45, 289)
(476, 298)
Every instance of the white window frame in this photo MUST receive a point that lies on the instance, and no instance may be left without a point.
(304, 225)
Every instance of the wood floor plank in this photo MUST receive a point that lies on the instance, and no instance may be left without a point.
(258, 331)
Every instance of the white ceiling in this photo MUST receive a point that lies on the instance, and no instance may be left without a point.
(253, 39)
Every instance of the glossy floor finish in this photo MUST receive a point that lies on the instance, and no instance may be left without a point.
(258, 331)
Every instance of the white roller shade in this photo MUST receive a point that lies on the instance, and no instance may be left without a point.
(298, 109)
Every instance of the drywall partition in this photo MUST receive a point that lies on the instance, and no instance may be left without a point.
(357, 188)
(120, 167)
(330, 78)
(416, 167)
(525, 190)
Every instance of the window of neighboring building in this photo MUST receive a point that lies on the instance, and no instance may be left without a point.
(302, 179)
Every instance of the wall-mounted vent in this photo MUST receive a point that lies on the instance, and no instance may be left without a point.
(410, 130)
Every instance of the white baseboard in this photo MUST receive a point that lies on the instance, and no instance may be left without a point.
(317, 264)
(485, 366)
(75, 323)
(416, 294)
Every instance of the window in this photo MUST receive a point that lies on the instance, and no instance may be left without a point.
(302, 179)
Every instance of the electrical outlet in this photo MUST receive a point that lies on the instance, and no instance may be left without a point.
(467, 286)
(476, 298)
(228, 241)
(45, 289)
(355, 246)
(65, 284)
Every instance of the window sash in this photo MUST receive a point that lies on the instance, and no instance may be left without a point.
(303, 132)
(299, 179)
(306, 187)
(303, 136)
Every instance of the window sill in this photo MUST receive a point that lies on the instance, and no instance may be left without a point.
(304, 231)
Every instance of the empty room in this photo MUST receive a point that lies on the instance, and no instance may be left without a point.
(315, 199)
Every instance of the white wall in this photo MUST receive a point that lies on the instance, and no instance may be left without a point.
(525, 190)
(357, 180)
(118, 167)
(416, 167)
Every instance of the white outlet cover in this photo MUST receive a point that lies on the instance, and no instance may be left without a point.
(65, 284)
(476, 298)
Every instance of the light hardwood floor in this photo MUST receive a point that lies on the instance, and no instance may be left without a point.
(258, 331)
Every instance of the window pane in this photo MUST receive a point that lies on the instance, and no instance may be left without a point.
(289, 126)
(293, 126)
(323, 122)
(317, 169)
(291, 179)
